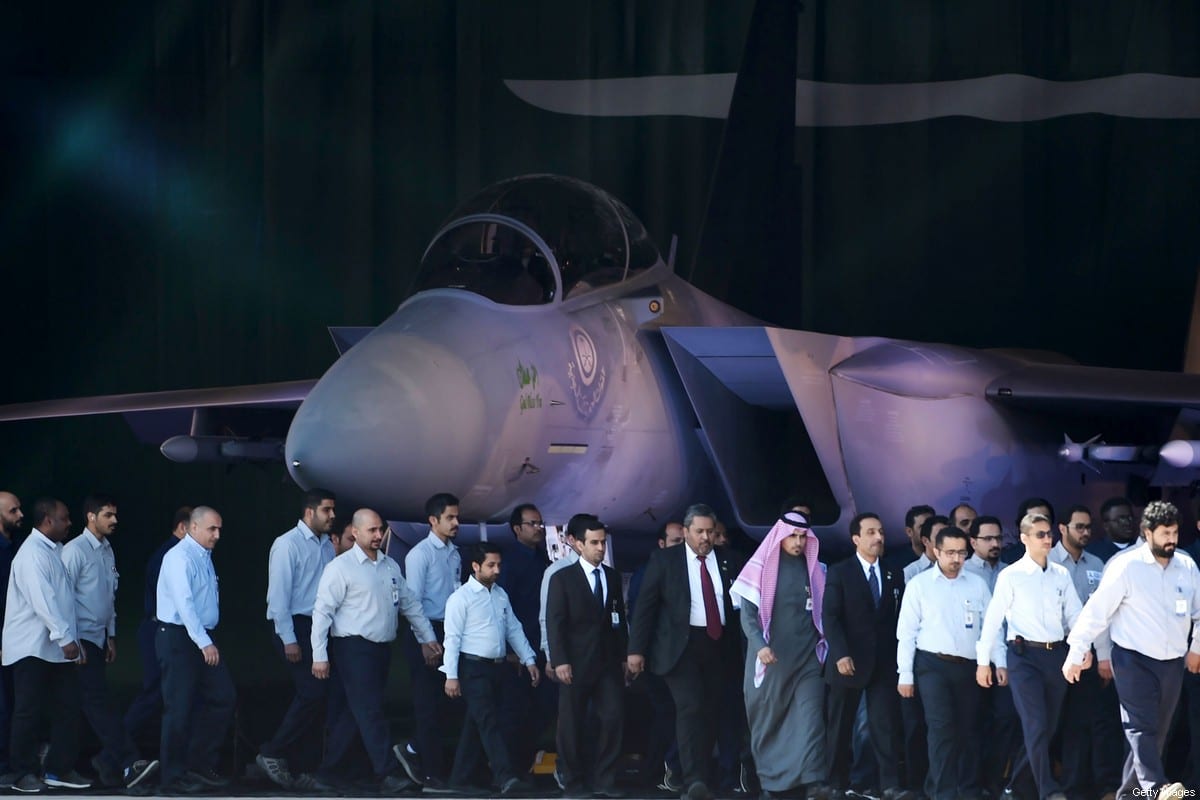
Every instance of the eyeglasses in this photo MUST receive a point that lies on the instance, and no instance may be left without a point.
(1081, 526)
(987, 538)
(954, 553)
(534, 523)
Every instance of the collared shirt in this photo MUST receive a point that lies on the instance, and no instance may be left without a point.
(697, 616)
(1085, 573)
(479, 621)
(434, 570)
(940, 615)
(917, 567)
(1038, 604)
(358, 596)
(867, 567)
(39, 614)
(1145, 606)
(569, 558)
(984, 570)
(521, 578)
(293, 571)
(92, 571)
(590, 572)
(188, 594)
(153, 567)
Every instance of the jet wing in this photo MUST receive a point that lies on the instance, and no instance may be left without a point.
(1058, 386)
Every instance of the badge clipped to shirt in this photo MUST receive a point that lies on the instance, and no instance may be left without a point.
(1093, 576)
(1181, 603)
(808, 602)
(968, 616)
(395, 593)
(616, 620)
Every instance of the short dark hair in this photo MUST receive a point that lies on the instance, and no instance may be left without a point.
(927, 525)
(1034, 502)
(482, 550)
(44, 508)
(1113, 502)
(1077, 509)
(948, 532)
(579, 524)
(954, 510)
(911, 515)
(339, 526)
(856, 523)
(1157, 513)
(793, 501)
(662, 531)
(979, 522)
(518, 514)
(183, 516)
(436, 505)
(315, 496)
(94, 502)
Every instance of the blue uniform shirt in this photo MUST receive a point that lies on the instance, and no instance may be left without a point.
(187, 590)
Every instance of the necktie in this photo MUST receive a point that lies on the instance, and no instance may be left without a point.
(597, 589)
(712, 614)
(873, 582)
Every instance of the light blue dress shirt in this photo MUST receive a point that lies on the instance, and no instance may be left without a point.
(92, 570)
(187, 590)
(916, 568)
(1145, 607)
(39, 618)
(984, 570)
(294, 569)
(570, 557)
(434, 570)
(1037, 604)
(358, 596)
(480, 621)
(1085, 573)
(940, 615)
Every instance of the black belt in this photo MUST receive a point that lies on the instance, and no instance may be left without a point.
(481, 659)
(950, 658)
(1035, 645)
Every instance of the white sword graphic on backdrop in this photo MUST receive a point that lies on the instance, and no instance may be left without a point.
(1001, 98)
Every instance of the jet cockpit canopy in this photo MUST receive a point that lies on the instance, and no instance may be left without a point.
(536, 239)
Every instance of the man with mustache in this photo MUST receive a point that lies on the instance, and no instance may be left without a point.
(1148, 600)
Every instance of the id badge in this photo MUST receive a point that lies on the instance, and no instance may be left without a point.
(616, 620)
(968, 616)
(808, 604)
(1181, 607)
(395, 597)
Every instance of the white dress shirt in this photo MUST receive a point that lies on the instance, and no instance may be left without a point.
(39, 616)
(940, 615)
(434, 570)
(1085, 573)
(358, 596)
(92, 571)
(697, 616)
(917, 567)
(1145, 606)
(479, 621)
(1038, 604)
(569, 558)
(294, 569)
(590, 571)
(188, 593)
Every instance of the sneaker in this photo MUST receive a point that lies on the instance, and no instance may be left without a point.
(670, 782)
(310, 784)
(411, 762)
(139, 771)
(67, 780)
(395, 784)
(29, 784)
(108, 775)
(275, 768)
(207, 776)
(8, 779)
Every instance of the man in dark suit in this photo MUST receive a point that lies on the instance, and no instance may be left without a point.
(862, 598)
(686, 630)
(586, 626)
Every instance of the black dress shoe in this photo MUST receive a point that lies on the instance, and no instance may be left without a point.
(208, 777)
(185, 784)
(395, 784)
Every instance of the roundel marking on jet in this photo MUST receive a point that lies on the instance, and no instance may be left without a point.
(586, 377)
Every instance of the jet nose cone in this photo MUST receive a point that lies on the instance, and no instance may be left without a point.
(395, 420)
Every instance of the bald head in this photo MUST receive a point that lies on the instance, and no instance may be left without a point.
(368, 531)
(205, 526)
(10, 514)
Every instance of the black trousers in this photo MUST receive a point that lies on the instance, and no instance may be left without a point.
(198, 703)
(580, 746)
(430, 704)
(527, 711)
(997, 736)
(481, 683)
(950, 697)
(883, 721)
(147, 706)
(118, 749)
(357, 682)
(302, 720)
(40, 689)
(1092, 751)
(1149, 690)
(696, 686)
(1035, 678)
(6, 710)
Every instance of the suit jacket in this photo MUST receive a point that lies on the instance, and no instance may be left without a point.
(579, 631)
(855, 628)
(661, 623)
